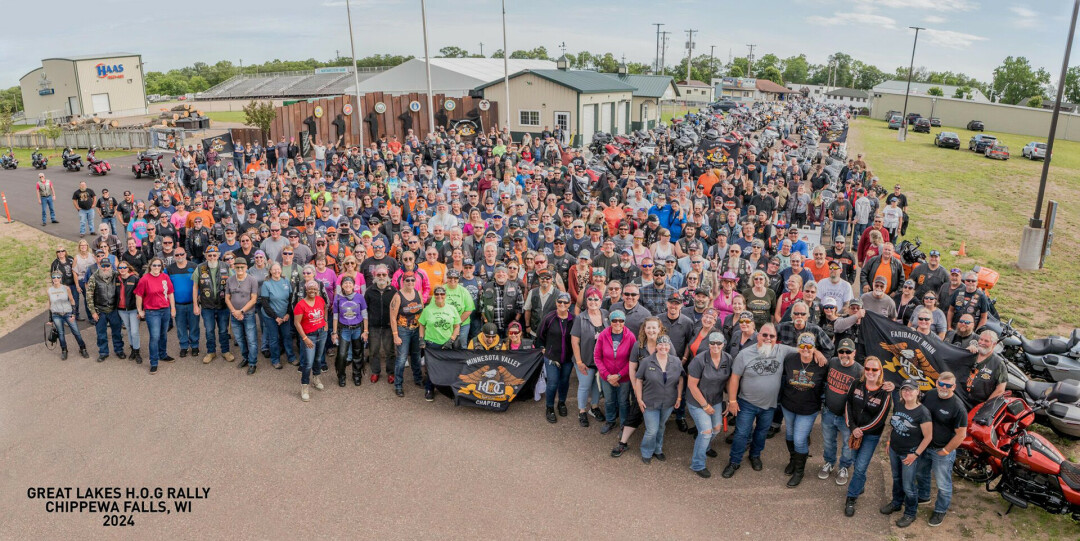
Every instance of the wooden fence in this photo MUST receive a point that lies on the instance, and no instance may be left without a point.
(290, 118)
(101, 139)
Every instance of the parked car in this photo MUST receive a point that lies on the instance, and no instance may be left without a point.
(935, 122)
(725, 105)
(895, 122)
(975, 125)
(922, 125)
(997, 151)
(980, 141)
(947, 139)
(1034, 151)
(888, 116)
(912, 117)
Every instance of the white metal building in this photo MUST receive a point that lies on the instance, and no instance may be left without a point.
(921, 89)
(103, 85)
(454, 77)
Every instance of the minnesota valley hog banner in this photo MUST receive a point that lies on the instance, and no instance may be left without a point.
(905, 354)
(484, 379)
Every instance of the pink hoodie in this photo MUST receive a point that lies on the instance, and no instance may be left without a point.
(609, 362)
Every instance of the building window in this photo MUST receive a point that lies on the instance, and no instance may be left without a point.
(529, 118)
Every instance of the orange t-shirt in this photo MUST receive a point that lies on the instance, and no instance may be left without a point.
(820, 273)
(436, 273)
(206, 215)
(885, 271)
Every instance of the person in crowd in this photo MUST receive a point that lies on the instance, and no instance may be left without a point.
(126, 281)
(309, 318)
(553, 335)
(156, 304)
(241, 296)
(66, 266)
(349, 331)
(208, 300)
(867, 413)
(102, 296)
(404, 316)
(440, 324)
(801, 391)
(646, 344)
(182, 273)
(275, 296)
(912, 432)
(460, 298)
(658, 385)
(62, 314)
(706, 380)
(611, 354)
(587, 325)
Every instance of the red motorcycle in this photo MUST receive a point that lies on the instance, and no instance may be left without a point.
(148, 164)
(96, 166)
(1027, 468)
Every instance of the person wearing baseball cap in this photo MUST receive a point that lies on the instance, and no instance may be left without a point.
(658, 385)
(460, 298)
(912, 433)
(488, 339)
(877, 301)
(843, 372)
(440, 326)
(707, 377)
(929, 276)
(553, 336)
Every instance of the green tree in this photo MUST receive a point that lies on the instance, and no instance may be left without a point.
(869, 76)
(260, 114)
(198, 83)
(51, 130)
(1072, 85)
(935, 91)
(772, 73)
(453, 52)
(962, 92)
(766, 61)
(796, 69)
(1015, 80)
(1035, 102)
(740, 65)
(7, 124)
(12, 97)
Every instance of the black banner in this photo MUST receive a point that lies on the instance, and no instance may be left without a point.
(222, 144)
(484, 379)
(905, 354)
(466, 128)
(834, 135)
(719, 151)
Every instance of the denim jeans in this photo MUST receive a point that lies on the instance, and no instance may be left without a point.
(157, 322)
(130, 319)
(652, 442)
(64, 322)
(798, 429)
(863, 456)
(903, 484)
(708, 426)
(616, 400)
(409, 350)
(47, 203)
(104, 322)
(74, 288)
(281, 165)
(280, 338)
(751, 427)
(111, 222)
(86, 221)
(558, 381)
(588, 392)
(462, 341)
(320, 165)
(244, 331)
(942, 467)
(219, 319)
(831, 426)
(839, 229)
(187, 326)
(856, 234)
(346, 339)
(313, 356)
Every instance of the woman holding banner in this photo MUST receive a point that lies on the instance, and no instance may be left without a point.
(866, 412)
(440, 324)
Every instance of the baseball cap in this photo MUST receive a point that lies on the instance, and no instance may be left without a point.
(855, 302)
(467, 263)
(846, 345)
(701, 291)
(829, 302)
(453, 273)
(955, 270)
(934, 253)
(834, 264)
(490, 329)
(665, 339)
(746, 315)
(880, 280)
(909, 283)
(675, 298)
(910, 384)
(716, 338)
(617, 315)
(584, 254)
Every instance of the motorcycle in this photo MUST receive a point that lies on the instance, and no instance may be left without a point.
(149, 164)
(71, 161)
(1053, 358)
(1028, 468)
(910, 255)
(8, 161)
(97, 167)
(39, 160)
(1063, 416)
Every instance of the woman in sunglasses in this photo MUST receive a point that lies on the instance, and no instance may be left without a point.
(553, 335)
(938, 323)
(155, 302)
(658, 384)
(440, 324)
(801, 390)
(61, 310)
(867, 411)
(587, 325)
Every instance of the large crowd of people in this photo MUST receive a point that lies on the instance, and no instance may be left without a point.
(665, 285)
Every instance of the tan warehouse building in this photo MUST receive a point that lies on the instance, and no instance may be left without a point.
(104, 85)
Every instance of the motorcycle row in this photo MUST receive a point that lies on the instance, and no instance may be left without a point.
(71, 161)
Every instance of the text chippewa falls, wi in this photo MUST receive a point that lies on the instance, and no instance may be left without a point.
(118, 505)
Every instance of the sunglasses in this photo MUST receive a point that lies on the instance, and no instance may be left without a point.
(155, 265)
(513, 333)
(805, 346)
(764, 335)
(121, 268)
(617, 321)
(800, 313)
(286, 253)
(646, 266)
(872, 369)
(440, 294)
(924, 319)
(630, 294)
(969, 281)
(846, 352)
(962, 322)
(410, 279)
(946, 385)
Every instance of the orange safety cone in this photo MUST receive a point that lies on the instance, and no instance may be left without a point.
(963, 249)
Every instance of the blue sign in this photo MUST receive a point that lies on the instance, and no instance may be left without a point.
(46, 92)
(331, 70)
(115, 71)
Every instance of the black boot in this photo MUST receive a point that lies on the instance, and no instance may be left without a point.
(790, 468)
(849, 507)
(136, 355)
(800, 468)
(63, 354)
(341, 379)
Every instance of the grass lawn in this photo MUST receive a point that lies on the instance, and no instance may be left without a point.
(227, 116)
(22, 292)
(16, 128)
(957, 195)
(55, 159)
(668, 112)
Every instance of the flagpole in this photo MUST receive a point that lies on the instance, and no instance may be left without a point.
(356, 74)
(506, 69)
(427, 66)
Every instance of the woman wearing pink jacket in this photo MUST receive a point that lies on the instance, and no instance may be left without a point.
(612, 358)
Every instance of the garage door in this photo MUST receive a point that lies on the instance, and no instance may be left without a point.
(101, 103)
(588, 124)
(620, 118)
(605, 117)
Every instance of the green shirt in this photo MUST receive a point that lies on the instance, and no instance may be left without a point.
(460, 298)
(438, 323)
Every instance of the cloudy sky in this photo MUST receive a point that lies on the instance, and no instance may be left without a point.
(971, 36)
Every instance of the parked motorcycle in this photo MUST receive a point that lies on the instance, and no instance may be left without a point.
(1053, 358)
(910, 255)
(97, 167)
(1063, 416)
(149, 164)
(72, 161)
(1027, 468)
(8, 161)
(39, 160)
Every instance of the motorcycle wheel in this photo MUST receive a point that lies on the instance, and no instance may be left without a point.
(138, 175)
(970, 467)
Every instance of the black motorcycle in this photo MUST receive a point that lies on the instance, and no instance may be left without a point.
(8, 161)
(72, 161)
(39, 160)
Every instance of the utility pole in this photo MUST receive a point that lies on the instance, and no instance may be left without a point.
(750, 60)
(656, 62)
(712, 59)
(356, 74)
(481, 48)
(911, 69)
(663, 50)
(689, 52)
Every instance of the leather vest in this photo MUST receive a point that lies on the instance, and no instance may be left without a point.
(209, 296)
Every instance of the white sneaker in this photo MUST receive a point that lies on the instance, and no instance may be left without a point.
(316, 382)
(842, 476)
(304, 393)
(826, 470)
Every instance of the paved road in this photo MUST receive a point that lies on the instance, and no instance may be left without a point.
(359, 462)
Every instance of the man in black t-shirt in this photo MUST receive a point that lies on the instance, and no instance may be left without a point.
(83, 200)
(988, 374)
(106, 205)
(843, 372)
(949, 418)
(969, 300)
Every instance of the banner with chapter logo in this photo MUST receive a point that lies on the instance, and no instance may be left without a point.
(905, 354)
(835, 135)
(222, 144)
(483, 379)
(467, 128)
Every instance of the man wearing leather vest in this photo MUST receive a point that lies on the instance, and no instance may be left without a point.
(209, 299)
(102, 297)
